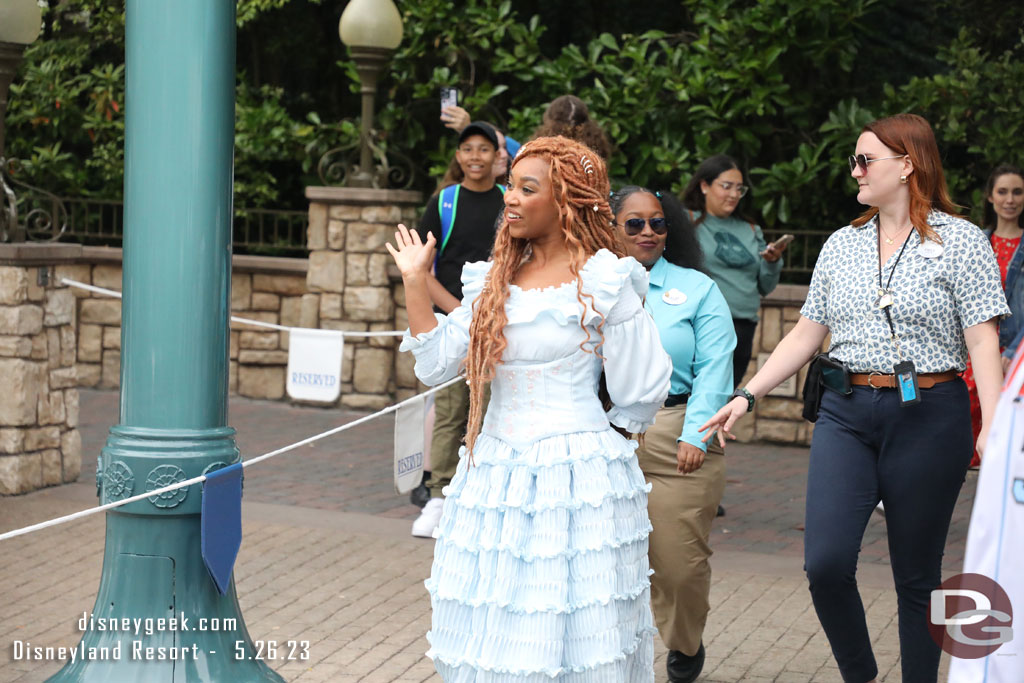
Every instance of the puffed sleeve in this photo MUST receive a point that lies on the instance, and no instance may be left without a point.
(815, 306)
(637, 369)
(977, 290)
(440, 351)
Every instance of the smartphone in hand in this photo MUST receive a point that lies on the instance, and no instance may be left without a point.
(449, 97)
(780, 243)
(783, 241)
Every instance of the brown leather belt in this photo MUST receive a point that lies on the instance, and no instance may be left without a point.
(877, 380)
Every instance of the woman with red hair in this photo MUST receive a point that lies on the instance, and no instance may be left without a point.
(540, 569)
(907, 290)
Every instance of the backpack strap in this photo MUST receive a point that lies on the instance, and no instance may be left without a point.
(447, 204)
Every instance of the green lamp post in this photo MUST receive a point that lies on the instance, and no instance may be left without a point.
(179, 137)
(372, 29)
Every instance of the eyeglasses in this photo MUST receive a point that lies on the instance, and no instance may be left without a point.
(862, 161)
(635, 226)
(729, 186)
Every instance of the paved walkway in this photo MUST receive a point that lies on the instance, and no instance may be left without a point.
(327, 557)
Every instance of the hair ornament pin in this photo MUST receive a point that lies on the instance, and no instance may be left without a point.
(588, 165)
(595, 207)
(657, 194)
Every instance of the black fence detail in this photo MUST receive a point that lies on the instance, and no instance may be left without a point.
(261, 232)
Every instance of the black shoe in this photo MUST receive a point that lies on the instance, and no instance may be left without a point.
(421, 494)
(721, 512)
(684, 668)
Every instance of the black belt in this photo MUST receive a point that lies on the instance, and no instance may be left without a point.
(676, 400)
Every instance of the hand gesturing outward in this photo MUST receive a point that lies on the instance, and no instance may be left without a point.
(412, 256)
(722, 421)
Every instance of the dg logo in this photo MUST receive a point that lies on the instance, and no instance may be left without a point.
(970, 616)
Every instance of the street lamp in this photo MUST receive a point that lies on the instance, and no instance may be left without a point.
(20, 21)
(372, 29)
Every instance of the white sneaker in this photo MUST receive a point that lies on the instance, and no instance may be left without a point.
(425, 525)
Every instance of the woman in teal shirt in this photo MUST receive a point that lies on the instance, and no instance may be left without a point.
(687, 476)
(736, 256)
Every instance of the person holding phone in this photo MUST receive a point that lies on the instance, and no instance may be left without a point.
(907, 291)
(736, 255)
(462, 219)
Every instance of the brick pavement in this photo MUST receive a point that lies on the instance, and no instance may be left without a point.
(327, 557)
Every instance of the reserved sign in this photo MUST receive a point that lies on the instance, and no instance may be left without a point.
(314, 364)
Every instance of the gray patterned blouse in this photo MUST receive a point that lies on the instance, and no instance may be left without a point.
(937, 292)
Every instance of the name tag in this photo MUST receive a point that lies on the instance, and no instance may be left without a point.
(930, 249)
(673, 297)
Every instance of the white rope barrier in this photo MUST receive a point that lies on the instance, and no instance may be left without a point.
(201, 478)
(236, 319)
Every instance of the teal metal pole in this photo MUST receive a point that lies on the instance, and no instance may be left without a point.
(179, 136)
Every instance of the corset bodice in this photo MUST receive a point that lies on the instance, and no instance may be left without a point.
(530, 401)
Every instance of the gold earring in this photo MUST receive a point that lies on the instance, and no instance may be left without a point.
(903, 179)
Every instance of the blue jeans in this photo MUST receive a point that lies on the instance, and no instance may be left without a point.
(867, 448)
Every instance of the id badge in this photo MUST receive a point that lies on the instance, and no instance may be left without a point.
(906, 383)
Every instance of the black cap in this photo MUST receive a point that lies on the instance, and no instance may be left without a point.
(480, 128)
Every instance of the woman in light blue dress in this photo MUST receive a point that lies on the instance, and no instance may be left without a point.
(540, 570)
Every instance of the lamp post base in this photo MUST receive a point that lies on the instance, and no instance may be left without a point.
(154, 577)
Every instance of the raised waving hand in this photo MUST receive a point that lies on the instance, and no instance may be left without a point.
(412, 255)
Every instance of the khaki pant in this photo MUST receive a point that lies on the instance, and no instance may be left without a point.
(451, 417)
(681, 507)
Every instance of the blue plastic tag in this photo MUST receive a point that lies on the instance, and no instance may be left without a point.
(221, 523)
(906, 383)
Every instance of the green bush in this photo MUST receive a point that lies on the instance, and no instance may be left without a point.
(783, 85)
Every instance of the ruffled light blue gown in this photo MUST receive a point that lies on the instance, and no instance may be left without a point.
(540, 569)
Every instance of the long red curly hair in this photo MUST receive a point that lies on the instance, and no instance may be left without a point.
(911, 135)
(579, 184)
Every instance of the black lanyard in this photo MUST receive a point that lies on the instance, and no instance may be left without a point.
(886, 292)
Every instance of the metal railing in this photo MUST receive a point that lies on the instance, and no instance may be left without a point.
(801, 255)
(269, 232)
(264, 232)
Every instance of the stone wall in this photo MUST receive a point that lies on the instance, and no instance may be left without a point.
(271, 290)
(39, 440)
(357, 288)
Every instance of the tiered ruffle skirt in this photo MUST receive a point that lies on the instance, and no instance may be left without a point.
(540, 570)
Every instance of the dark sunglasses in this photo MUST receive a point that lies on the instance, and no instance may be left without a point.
(635, 226)
(862, 161)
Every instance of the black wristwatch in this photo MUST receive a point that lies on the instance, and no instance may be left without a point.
(743, 393)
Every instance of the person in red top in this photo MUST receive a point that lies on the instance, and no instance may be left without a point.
(1004, 197)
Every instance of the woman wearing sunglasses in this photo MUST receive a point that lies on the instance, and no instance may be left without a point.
(736, 256)
(687, 476)
(907, 291)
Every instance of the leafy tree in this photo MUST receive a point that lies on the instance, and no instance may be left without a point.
(783, 85)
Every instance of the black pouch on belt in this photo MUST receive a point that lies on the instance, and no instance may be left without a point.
(828, 373)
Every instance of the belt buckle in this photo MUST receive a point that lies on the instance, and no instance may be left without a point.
(872, 374)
